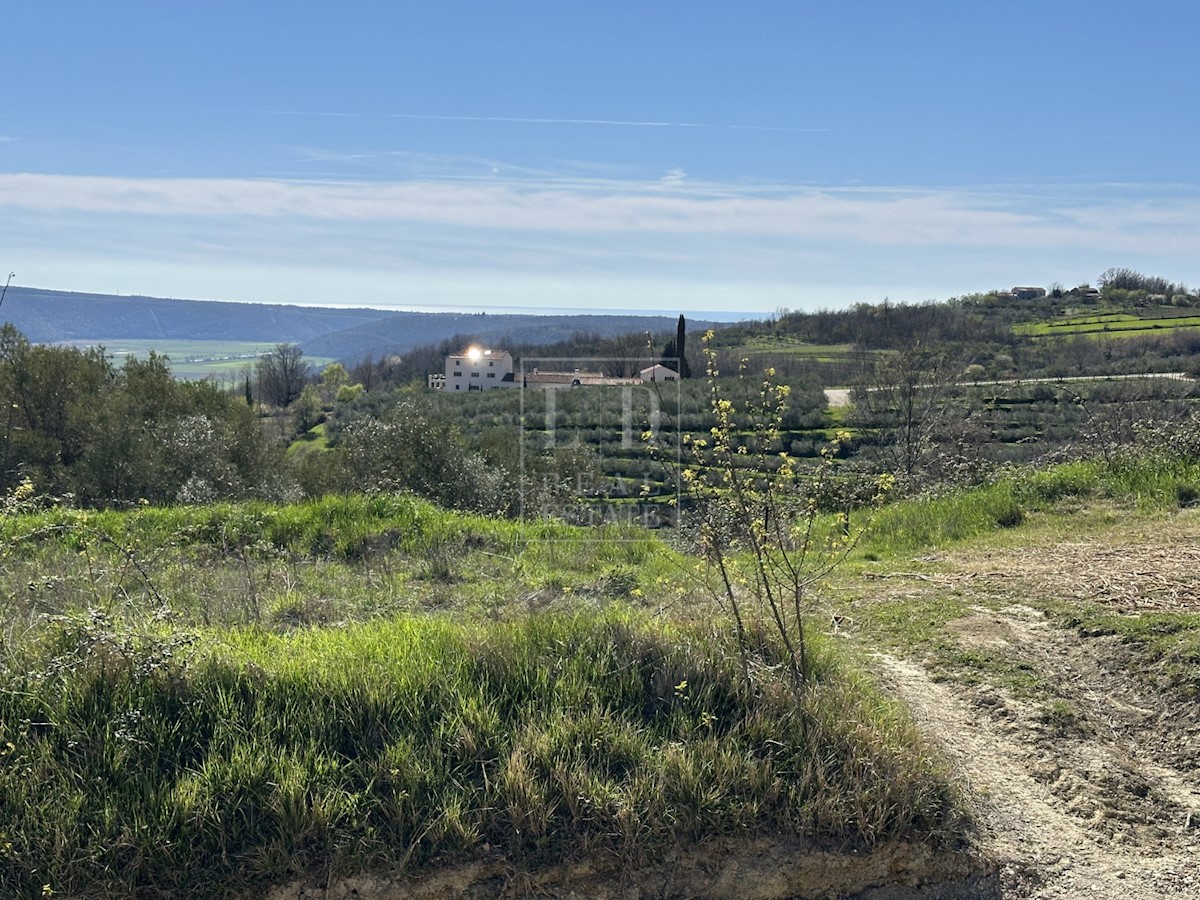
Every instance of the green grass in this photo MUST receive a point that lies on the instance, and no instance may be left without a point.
(1075, 324)
(1106, 325)
(909, 526)
(136, 766)
(312, 441)
(799, 349)
(213, 699)
(339, 559)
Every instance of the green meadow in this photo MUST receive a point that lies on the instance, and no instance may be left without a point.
(215, 699)
(195, 360)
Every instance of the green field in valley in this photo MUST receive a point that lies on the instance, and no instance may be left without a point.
(221, 360)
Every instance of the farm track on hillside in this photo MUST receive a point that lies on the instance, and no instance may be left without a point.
(1092, 788)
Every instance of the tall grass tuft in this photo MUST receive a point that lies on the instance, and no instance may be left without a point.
(137, 766)
(1148, 481)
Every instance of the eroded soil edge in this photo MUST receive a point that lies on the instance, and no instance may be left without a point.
(761, 869)
(1090, 790)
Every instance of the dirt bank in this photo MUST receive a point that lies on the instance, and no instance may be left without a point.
(733, 870)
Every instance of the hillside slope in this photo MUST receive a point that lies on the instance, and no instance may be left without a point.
(46, 316)
(52, 316)
(403, 331)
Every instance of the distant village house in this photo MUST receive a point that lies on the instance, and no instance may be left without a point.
(1028, 293)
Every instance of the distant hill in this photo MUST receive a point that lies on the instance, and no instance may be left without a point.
(350, 335)
(55, 316)
(403, 331)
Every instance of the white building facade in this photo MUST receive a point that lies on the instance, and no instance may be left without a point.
(478, 369)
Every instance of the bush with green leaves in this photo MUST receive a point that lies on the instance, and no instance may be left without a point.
(411, 448)
(78, 426)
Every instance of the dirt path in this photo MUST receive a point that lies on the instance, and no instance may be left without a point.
(1094, 792)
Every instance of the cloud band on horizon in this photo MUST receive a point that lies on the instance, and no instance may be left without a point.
(527, 241)
(880, 216)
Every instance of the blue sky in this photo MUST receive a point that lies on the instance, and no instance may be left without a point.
(695, 157)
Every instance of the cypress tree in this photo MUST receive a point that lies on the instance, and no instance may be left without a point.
(685, 370)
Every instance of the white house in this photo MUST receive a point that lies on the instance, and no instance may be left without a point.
(659, 372)
(478, 369)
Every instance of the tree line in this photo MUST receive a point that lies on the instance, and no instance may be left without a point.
(76, 425)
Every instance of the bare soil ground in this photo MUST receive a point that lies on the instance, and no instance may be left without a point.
(720, 869)
(1090, 785)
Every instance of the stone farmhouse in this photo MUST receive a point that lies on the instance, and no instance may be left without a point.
(1028, 293)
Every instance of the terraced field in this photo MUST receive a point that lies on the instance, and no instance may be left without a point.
(1117, 324)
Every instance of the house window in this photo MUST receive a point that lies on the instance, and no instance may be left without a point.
(474, 374)
(490, 363)
(491, 374)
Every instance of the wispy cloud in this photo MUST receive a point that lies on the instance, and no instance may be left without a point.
(672, 205)
(547, 120)
(556, 239)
